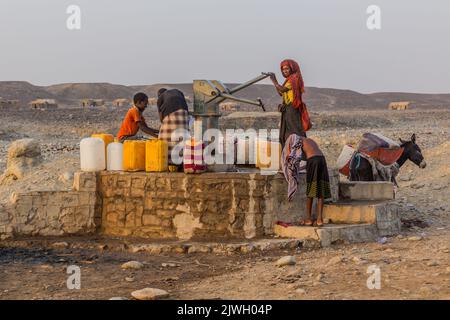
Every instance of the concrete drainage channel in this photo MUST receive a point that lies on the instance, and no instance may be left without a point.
(166, 247)
(262, 245)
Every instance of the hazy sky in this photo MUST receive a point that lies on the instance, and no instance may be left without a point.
(149, 41)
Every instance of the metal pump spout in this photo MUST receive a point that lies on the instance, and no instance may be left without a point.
(208, 94)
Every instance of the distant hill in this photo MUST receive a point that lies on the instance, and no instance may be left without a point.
(316, 98)
(23, 91)
(77, 91)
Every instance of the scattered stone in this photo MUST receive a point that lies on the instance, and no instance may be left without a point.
(199, 249)
(6, 236)
(66, 177)
(425, 290)
(248, 248)
(23, 156)
(414, 238)
(150, 248)
(170, 265)
(129, 279)
(232, 248)
(118, 298)
(382, 240)
(295, 274)
(286, 261)
(406, 178)
(149, 294)
(317, 283)
(447, 271)
(61, 244)
(46, 266)
(432, 264)
(103, 247)
(300, 291)
(334, 261)
(356, 260)
(169, 279)
(136, 265)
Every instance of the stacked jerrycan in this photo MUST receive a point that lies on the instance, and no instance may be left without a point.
(107, 138)
(102, 151)
(113, 151)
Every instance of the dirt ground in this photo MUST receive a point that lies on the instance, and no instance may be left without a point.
(409, 268)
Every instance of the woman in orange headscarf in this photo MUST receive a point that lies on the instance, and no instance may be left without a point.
(292, 107)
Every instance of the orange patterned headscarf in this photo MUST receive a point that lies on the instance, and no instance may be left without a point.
(296, 80)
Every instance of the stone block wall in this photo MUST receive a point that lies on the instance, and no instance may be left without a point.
(210, 205)
(50, 213)
(176, 205)
(159, 205)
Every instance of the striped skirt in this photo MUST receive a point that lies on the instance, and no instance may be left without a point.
(175, 120)
(317, 179)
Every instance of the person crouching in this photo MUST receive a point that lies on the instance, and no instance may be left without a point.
(134, 121)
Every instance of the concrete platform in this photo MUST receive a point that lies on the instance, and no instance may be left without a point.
(358, 211)
(383, 214)
(362, 190)
(330, 233)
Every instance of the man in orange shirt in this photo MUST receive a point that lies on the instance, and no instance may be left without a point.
(134, 120)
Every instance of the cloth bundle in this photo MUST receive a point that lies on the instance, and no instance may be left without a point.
(380, 148)
(290, 163)
(193, 156)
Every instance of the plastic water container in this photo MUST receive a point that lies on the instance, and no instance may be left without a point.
(107, 139)
(114, 160)
(156, 155)
(134, 155)
(227, 148)
(92, 154)
(193, 161)
(246, 151)
(268, 154)
(343, 161)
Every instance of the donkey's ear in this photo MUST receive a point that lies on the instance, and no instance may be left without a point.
(413, 138)
(401, 140)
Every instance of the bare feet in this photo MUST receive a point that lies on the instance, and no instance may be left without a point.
(306, 222)
(318, 223)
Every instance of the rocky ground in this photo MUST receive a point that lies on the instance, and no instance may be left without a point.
(414, 265)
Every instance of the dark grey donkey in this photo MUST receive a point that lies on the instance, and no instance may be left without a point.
(362, 170)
